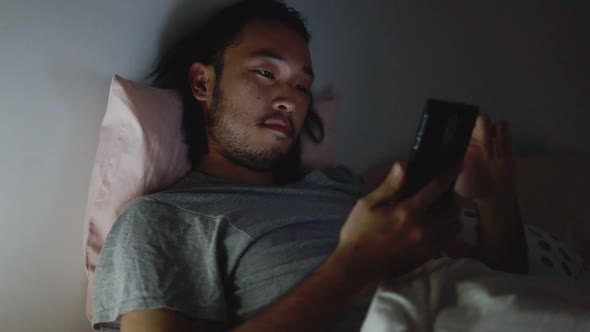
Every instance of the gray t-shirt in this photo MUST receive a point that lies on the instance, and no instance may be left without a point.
(217, 250)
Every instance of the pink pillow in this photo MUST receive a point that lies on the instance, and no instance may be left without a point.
(141, 150)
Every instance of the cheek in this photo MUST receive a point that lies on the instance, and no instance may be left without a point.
(248, 99)
(253, 93)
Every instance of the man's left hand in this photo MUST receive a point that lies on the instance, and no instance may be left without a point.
(488, 179)
(489, 173)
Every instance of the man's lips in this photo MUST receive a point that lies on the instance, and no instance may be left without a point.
(280, 129)
(279, 125)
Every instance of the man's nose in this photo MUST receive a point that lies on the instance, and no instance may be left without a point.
(285, 102)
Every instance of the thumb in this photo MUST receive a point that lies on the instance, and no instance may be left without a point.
(389, 187)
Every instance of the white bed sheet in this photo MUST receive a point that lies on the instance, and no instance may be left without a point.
(465, 295)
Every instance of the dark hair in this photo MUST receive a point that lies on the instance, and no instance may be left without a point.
(207, 45)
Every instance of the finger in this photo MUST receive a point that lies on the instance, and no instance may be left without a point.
(433, 190)
(482, 135)
(389, 187)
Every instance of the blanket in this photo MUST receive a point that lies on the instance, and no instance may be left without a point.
(465, 295)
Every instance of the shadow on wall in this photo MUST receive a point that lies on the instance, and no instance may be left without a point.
(184, 18)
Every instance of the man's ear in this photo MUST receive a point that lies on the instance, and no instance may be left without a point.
(202, 79)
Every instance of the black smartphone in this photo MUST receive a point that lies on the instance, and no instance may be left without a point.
(442, 138)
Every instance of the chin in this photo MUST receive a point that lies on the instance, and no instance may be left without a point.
(276, 153)
(269, 144)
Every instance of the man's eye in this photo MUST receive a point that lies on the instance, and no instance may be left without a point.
(302, 89)
(265, 73)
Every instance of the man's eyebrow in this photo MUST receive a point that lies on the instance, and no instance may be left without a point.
(267, 53)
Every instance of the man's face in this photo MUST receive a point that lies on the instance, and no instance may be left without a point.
(267, 77)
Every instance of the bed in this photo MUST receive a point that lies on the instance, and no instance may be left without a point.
(137, 154)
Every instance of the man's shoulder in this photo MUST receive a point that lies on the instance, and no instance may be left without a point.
(183, 212)
(147, 204)
(150, 221)
(149, 211)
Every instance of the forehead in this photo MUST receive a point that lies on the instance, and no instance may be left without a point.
(276, 36)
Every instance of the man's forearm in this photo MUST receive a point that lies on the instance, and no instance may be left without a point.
(316, 304)
(502, 242)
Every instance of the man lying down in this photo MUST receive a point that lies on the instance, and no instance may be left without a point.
(250, 240)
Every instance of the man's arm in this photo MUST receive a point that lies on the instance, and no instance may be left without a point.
(502, 242)
(163, 320)
(316, 304)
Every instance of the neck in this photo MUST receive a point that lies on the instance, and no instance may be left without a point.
(216, 165)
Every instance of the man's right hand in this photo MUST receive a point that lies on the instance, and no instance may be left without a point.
(383, 237)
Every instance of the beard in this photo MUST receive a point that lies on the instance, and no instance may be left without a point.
(226, 126)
